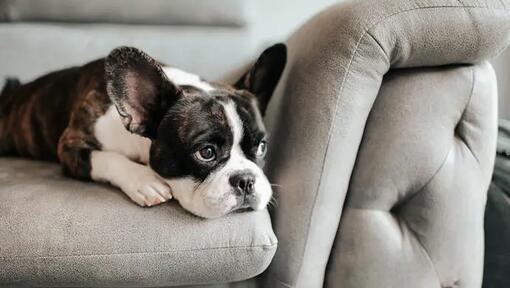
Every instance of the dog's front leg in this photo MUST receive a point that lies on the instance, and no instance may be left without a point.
(139, 182)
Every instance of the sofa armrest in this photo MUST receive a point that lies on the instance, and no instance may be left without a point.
(318, 114)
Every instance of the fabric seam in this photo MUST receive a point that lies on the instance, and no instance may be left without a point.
(263, 247)
(473, 79)
(425, 251)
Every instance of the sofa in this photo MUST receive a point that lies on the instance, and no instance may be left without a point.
(382, 143)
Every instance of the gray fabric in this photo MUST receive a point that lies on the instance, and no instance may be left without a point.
(190, 12)
(336, 64)
(60, 232)
(28, 50)
(414, 209)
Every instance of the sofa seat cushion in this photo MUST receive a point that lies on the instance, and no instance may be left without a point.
(164, 12)
(56, 231)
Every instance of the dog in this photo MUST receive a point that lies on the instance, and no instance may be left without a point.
(156, 132)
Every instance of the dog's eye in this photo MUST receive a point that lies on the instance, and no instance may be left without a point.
(261, 149)
(206, 154)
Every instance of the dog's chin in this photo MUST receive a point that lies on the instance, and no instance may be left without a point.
(213, 201)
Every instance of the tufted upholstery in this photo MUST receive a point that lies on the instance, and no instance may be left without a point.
(419, 144)
(414, 209)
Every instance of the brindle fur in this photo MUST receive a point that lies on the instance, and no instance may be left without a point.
(52, 117)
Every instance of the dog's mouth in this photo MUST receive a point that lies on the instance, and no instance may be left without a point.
(211, 200)
(243, 202)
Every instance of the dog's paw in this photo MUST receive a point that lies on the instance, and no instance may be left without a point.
(147, 189)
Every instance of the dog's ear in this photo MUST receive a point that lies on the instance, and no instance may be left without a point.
(263, 76)
(138, 87)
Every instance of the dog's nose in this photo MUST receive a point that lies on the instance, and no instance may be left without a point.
(244, 182)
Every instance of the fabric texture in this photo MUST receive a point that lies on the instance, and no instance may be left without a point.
(59, 232)
(163, 12)
(336, 65)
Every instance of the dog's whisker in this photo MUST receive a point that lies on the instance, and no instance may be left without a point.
(273, 203)
(275, 187)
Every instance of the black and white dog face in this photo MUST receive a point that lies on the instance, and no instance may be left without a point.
(208, 140)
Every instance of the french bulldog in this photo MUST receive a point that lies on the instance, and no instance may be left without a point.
(156, 132)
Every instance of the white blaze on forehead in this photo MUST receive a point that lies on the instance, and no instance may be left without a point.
(235, 123)
(239, 162)
(180, 77)
(258, 117)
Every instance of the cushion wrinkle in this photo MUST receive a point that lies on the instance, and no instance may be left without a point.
(418, 240)
(380, 46)
(253, 247)
(411, 195)
(422, 246)
(456, 134)
(462, 120)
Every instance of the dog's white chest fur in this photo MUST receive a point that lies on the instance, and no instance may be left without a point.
(114, 137)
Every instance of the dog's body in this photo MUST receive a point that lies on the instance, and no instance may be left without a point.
(155, 132)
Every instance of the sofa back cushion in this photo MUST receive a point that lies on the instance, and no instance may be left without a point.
(414, 209)
(162, 12)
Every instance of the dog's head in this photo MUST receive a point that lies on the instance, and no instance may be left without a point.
(208, 139)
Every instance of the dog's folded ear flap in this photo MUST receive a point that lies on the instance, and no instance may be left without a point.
(264, 75)
(138, 87)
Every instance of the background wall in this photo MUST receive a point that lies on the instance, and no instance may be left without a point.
(275, 20)
(502, 66)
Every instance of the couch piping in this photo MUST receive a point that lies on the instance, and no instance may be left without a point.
(262, 247)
